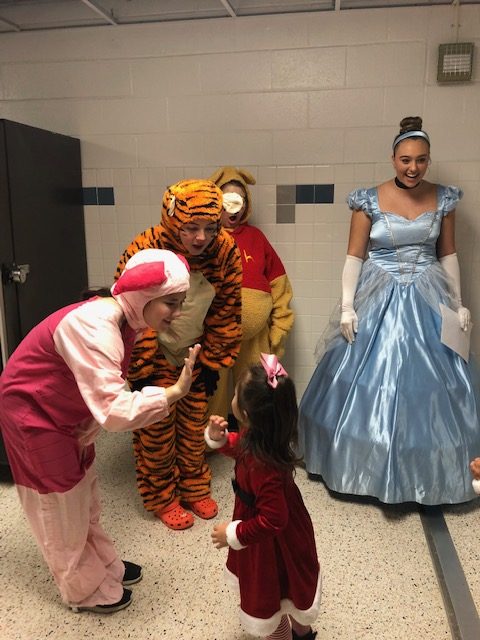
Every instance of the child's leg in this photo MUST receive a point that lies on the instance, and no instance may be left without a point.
(282, 632)
(300, 631)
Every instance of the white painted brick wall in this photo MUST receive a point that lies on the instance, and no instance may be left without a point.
(306, 98)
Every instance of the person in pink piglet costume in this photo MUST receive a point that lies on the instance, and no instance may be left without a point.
(64, 382)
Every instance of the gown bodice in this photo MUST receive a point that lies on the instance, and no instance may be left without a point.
(402, 247)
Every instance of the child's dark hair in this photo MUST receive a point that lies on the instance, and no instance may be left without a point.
(102, 292)
(272, 417)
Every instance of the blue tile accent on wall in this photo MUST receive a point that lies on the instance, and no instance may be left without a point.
(90, 195)
(289, 195)
(105, 195)
(98, 195)
(305, 194)
(324, 193)
(311, 194)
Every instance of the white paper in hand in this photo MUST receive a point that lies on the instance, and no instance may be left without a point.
(452, 334)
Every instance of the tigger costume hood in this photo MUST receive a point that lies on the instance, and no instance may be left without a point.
(187, 201)
(223, 176)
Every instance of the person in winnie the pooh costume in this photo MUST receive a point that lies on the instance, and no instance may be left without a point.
(266, 290)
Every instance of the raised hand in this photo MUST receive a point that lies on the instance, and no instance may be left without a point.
(217, 427)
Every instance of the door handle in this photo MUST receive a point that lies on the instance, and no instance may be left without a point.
(18, 273)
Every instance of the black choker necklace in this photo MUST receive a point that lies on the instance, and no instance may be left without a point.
(400, 185)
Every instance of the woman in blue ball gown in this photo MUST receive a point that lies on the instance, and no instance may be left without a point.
(392, 412)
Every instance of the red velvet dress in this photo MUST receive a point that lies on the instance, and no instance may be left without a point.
(278, 571)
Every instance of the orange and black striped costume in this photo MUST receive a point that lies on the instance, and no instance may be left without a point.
(170, 455)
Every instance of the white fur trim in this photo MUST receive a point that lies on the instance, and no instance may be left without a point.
(262, 627)
(232, 539)
(476, 486)
(214, 444)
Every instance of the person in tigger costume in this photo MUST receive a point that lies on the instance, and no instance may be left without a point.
(173, 475)
(267, 316)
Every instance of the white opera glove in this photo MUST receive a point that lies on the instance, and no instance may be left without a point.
(350, 276)
(452, 269)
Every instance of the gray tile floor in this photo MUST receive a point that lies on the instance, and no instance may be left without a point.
(379, 580)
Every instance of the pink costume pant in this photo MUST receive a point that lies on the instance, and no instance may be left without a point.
(80, 555)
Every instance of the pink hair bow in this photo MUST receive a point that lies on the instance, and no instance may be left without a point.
(272, 367)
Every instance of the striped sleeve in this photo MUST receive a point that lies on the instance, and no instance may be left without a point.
(223, 323)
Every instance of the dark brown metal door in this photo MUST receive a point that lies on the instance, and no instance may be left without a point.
(42, 235)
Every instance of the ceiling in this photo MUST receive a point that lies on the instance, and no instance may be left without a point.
(34, 15)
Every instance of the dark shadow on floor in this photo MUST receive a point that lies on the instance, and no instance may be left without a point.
(5, 474)
(389, 510)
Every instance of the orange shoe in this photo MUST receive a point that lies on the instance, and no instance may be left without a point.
(175, 517)
(206, 508)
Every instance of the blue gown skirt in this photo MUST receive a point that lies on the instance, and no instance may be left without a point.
(395, 415)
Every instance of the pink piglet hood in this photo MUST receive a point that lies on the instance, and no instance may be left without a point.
(149, 274)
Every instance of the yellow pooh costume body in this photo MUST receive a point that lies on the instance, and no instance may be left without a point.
(267, 316)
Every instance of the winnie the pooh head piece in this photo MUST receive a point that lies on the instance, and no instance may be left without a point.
(238, 177)
(190, 201)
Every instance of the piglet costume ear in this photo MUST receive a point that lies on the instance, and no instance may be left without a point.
(143, 276)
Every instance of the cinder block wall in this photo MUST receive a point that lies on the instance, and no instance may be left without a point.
(303, 99)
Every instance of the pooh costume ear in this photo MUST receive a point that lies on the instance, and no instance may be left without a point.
(229, 174)
(224, 175)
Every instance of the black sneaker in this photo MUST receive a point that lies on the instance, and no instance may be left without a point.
(107, 608)
(311, 635)
(133, 573)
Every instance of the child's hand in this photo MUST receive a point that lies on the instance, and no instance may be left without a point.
(219, 535)
(217, 427)
(475, 468)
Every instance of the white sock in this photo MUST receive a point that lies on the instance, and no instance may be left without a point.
(282, 632)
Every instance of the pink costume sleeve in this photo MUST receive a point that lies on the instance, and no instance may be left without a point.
(90, 342)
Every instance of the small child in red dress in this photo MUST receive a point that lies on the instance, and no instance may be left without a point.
(272, 557)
